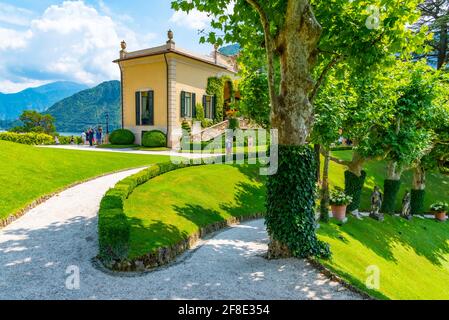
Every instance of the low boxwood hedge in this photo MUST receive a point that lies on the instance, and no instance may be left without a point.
(154, 139)
(121, 137)
(30, 138)
(113, 225)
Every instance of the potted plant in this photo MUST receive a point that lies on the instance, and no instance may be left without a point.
(440, 209)
(339, 200)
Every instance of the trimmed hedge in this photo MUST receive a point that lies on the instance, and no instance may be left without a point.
(113, 225)
(290, 218)
(154, 139)
(353, 188)
(30, 138)
(417, 201)
(121, 137)
(391, 190)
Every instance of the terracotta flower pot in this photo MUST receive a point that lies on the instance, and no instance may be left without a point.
(440, 216)
(339, 212)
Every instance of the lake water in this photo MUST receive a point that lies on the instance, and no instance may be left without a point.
(69, 134)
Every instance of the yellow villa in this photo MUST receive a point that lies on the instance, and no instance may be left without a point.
(162, 85)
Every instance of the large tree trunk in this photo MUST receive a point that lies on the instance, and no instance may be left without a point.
(324, 203)
(394, 171)
(356, 164)
(419, 178)
(418, 190)
(291, 222)
(442, 50)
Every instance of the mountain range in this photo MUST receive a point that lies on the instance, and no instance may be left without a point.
(88, 108)
(39, 99)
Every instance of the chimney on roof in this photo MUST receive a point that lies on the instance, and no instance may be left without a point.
(170, 42)
(123, 51)
(216, 53)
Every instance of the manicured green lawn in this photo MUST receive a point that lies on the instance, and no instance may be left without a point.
(412, 256)
(173, 206)
(437, 186)
(28, 172)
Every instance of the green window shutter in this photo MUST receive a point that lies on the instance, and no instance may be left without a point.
(193, 105)
(214, 107)
(204, 106)
(137, 108)
(151, 106)
(183, 104)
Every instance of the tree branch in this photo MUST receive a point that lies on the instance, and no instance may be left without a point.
(336, 160)
(269, 46)
(323, 75)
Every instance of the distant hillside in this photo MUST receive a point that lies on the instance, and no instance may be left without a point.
(88, 108)
(230, 50)
(39, 99)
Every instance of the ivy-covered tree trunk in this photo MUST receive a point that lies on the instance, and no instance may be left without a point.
(290, 211)
(324, 201)
(317, 150)
(391, 187)
(354, 181)
(418, 190)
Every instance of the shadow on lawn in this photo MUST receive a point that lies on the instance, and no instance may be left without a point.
(146, 238)
(427, 238)
(249, 199)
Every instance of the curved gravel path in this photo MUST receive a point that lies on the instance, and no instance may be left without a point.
(38, 250)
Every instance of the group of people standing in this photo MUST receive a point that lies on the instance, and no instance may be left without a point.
(93, 136)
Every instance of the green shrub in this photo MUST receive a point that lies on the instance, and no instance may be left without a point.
(290, 219)
(154, 139)
(206, 123)
(391, 190)
(234, 123)
(353, 188)
(121, 137)
(186, 126)
(66, 140)
(113, 235)
(113, 225)
(417, 201)
(199, 112)
(30, 138)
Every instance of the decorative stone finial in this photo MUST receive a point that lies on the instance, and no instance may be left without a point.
(170, 35)
(123, 45)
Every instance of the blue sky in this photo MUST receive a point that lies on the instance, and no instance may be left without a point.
(46, 40)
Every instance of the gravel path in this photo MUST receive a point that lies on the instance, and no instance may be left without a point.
(131, 151)
(38, 250)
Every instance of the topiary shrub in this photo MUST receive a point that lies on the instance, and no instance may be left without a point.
(417, 201)
(154, 139)
(290, 217)
(391, 190)
(121, 137)
(353, 188)
(186, 126)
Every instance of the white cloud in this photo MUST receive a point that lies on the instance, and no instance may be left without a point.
(70, 41)
(7, 86)
(12, 39)
(15, 15)
(193, 20)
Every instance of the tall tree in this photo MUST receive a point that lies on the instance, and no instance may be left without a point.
(289, 33)
(33, 121)
(435, 16)
(406, 139)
